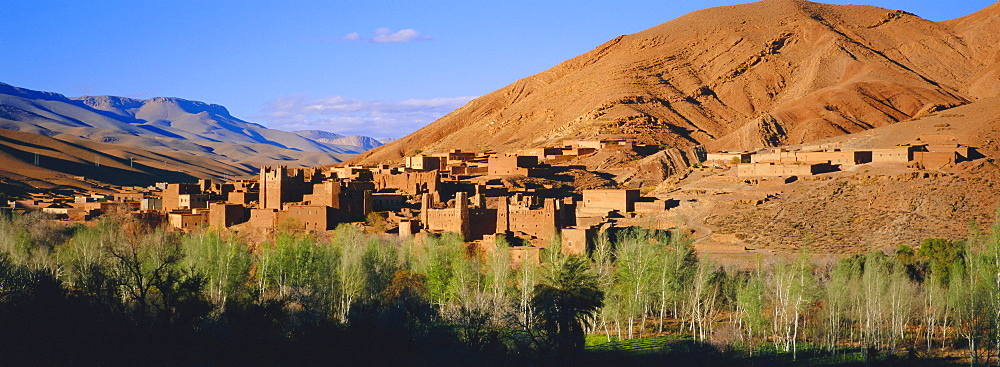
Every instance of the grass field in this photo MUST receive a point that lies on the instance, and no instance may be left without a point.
(682, 350)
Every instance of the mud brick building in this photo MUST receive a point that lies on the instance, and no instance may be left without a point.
(516, 165)
(620, 200)
(764, 169)
(424, 163)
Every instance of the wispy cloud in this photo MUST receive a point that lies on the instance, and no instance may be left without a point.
(386, 35)
(349, 116)
(351, 37)
(381, 35)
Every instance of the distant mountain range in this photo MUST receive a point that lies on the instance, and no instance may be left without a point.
(170, 126)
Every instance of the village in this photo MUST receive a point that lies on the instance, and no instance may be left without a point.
(469, 194)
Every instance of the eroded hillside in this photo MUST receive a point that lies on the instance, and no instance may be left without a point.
(769, 73)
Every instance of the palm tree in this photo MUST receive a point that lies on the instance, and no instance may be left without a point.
(566, 302)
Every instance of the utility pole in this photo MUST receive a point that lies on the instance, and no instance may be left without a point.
(97, 160)
(36, 159)
(130, 159)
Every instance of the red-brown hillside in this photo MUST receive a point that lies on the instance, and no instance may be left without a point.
(745, 76)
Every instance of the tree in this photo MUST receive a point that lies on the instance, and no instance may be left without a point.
(750, 306)
(677, 264)
(566, 302)
(224, 262)
(637, 273)
(940, 254)
(793, 289)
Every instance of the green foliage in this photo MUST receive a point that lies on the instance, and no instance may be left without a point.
(566, 302)
(941, 255)
(225, 263)
(295, 291)
(376, 222)
(751, 307)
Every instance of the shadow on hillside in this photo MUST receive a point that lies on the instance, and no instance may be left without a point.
(145, 176)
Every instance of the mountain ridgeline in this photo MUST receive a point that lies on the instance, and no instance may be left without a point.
(769, 73)
(198, 138)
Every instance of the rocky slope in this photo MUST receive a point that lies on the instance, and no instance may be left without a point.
(768, 73)
(866, 207)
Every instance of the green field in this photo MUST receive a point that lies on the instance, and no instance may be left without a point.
(683, 350)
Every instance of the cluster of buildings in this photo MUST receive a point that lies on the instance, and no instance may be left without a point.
(469, 194)
(459, 192)
(928, 152)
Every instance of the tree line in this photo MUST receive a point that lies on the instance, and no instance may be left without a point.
(123, 292)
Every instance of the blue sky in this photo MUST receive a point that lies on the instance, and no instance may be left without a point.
(378, 68)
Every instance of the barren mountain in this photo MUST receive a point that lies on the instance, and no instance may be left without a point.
(169, 125)
(768, 73)
(864, 207)
(361, 142)
(41, 162)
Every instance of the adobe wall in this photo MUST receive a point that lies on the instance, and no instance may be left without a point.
(772, 156)
(411, 183)
(407, 228)
(312, 217)
(128, 196)
(962, 151)
(326, 193)
(845, 158)
(621, 200)
(779, 169)
(279, 185)
(541, 153)
(482, 222)
(186, 221)
(524, 254)
(593, 144)
(456, 156)
(652, 206)
(467, 170)
(542, 223)
(192, 201)
(151, 204)
(935, 160)
(423, 163)
(387, 201)
(242, 197)
(263, 218)
(455, 219)
(893, 155)
(172, 193)
(722, 157)
(224, 215)
(271, 183)
(508, 164)
(575, 241)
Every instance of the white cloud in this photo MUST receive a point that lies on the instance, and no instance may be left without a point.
(386, 35)
(349, 116)
(351, 37)
(381, 35)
